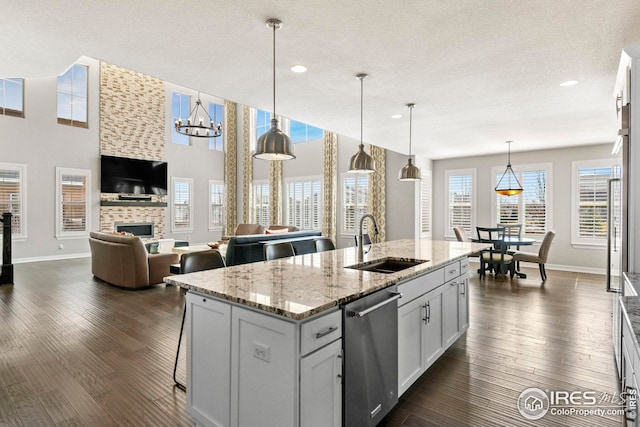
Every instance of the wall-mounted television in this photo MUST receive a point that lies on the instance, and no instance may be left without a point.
(132, 176)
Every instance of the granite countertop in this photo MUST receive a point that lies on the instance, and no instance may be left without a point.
(633, 279)
(301, 286)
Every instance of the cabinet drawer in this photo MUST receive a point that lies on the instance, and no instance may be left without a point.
(451, 271)
(420, 285)
(628, 341)
(320, 331)
(464, 266)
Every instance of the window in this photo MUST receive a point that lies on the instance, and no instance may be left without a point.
(461, 201)
(590, 189)
(72, 96)
(216, 111)
(180, 104)
(424, 216)
(260, 212)
(73, 207)
(216, 205)
(531, 208)
(302, 132)
(12, 97)
(355, 202)
(263, 122)
(13, 178)
(182, 212)
(304, 203)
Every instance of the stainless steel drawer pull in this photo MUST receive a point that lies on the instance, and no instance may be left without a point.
(326, 332)
(376, 410)
(455, 270)
(395, 296)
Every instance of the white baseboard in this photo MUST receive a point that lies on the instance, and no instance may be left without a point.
(51, 258)
(560, 267)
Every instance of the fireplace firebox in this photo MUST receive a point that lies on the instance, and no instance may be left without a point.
(140, 229)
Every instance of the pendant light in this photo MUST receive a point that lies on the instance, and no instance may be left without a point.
(409, 172)
(361, 162)
(508, 185)
(274, 144)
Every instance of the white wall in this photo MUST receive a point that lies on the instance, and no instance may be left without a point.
(562, 255)
(38, 141)
(400, 200)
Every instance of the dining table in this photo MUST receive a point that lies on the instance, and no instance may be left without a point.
(511, 241)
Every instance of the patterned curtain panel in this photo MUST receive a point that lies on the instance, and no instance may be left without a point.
(275, 195)
(377, 192)
(330, 187)
(230, 166)
(247, 165)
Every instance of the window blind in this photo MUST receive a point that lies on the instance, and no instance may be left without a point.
(261, 204)
(425, 203)
(534, 200)
(74, 203)
(182, 204)
(460, 187)
(355, 193)
(592, 202)
(304, 204)
(216, 201)
(11, 197)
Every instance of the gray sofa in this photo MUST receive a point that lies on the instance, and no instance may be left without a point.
(248, 248)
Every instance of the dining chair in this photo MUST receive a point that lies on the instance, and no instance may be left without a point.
(512, 230)
(278, 250)
(496, 257)
(324, 244)
(461, 236)
(541, 257)
(191, 262)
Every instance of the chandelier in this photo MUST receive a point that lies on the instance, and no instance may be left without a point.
(196, 125)
(508, 185)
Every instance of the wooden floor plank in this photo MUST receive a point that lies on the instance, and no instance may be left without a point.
(75, 351)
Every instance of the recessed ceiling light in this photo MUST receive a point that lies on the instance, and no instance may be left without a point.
(396, 116)
(569, 83)
(298, 68)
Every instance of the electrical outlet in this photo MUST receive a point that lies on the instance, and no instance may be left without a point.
(260, 351)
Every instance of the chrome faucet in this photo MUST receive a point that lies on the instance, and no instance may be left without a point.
(375, 231)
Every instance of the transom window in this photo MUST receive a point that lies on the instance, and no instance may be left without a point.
(12, 97)
(72, 96)
(302, 132)
(180, 109)
(260, 210)
(590, 205)
(182, 208)
(531, 208)
(13, 196)
(263, 122)
(355, 202)
(304, 202)
(216, 111)
(73, 207)
(461, 201)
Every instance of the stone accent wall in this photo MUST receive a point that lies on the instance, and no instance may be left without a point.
(231, 167)
(132, 124)
(132, 114)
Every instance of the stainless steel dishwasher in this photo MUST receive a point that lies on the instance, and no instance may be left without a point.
(370, 357)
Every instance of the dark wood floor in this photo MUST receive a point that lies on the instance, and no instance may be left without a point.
(77, 352)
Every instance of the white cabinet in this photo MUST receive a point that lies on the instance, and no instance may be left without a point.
(451, 312)
(208, 325)
(321, 387)
(630, 372)
(263, 383)
(430, 320)
(250, 368)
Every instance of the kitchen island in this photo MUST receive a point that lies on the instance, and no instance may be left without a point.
(265, 340)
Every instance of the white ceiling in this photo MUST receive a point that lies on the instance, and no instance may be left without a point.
(480, 72)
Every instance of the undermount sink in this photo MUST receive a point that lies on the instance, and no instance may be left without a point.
(387, 265)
